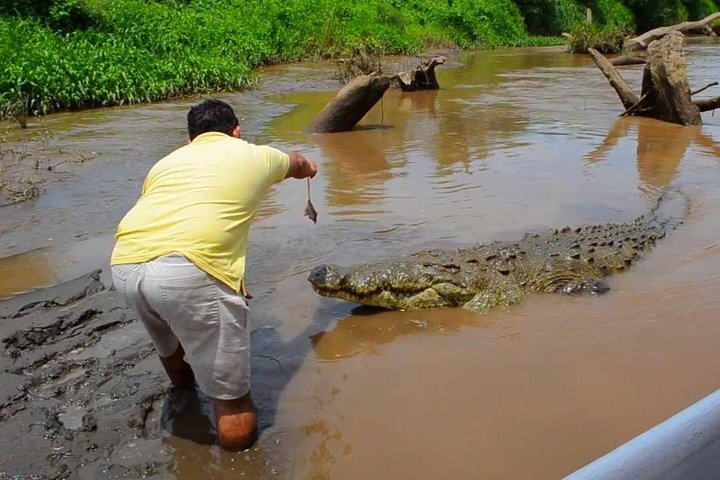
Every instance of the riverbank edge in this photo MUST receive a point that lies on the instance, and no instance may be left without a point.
(10, 117)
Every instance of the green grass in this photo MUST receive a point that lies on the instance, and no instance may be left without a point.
(87, 53)
(73, 54)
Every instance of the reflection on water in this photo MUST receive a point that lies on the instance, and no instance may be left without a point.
(357, 169)
(367, 330)
(516, 140)
(21, 273)
(661, 148)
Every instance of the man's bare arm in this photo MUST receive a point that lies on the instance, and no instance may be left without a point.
(300, 167)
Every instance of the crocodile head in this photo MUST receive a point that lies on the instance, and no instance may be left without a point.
(404, 284)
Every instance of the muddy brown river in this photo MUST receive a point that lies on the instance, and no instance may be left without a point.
(516, 140)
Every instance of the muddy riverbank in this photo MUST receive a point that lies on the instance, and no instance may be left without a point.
(517, 140)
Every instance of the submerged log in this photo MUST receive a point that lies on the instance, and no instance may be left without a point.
(351, 104)
(627, 60)
(422, 78)
(361, 93)
(666, 93)
(642, 42)
(709, 104)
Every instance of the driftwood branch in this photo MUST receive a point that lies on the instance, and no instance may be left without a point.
(627, 96)
(707, 29)
(709, 104)
(713, 84)
(626, 60)
(634, 107)
(642, 42)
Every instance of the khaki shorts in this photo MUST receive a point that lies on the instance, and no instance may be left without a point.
(180, 304)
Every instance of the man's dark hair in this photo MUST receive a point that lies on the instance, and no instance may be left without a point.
(211, 116)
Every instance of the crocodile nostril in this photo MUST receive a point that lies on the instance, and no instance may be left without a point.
(325, 276)
(317, 275)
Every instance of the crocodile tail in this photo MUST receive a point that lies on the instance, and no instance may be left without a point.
(670, 210)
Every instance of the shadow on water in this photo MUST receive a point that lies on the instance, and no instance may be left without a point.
(275, 362)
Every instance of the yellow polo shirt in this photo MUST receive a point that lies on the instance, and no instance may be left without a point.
(199, 202)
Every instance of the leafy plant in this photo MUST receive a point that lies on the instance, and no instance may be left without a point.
(605, 39)
(654, 13)
(551, 17)
(698, 9)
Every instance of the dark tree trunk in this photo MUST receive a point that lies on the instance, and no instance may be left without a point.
(665, 84)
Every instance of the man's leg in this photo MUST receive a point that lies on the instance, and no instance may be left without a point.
(210, 322)
(128, 280)
(179, 371)
(236, 422)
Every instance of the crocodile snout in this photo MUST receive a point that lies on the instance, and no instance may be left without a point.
(326, 277)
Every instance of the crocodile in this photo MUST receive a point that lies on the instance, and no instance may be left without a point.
(570, 260)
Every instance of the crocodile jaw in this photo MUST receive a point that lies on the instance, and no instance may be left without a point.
(338, 282)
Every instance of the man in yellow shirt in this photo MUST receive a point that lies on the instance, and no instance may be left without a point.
(179, 259)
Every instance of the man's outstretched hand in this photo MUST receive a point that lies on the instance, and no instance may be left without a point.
(300, 167)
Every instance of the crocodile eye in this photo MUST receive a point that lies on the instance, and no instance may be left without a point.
(451, 267)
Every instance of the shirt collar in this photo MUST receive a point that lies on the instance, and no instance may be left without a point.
(209, 137)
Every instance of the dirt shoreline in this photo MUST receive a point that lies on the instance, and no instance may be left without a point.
(66, 402)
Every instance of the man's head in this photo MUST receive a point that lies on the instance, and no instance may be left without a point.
(212, 116)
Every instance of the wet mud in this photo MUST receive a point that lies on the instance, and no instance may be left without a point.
(63, 413)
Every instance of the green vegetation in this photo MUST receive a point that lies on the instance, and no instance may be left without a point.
(551, 17)
(604, 39)
(71, 54)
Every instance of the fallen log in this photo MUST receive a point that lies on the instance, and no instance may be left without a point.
(361, 93)
(351, 104)
(665, 93)
(627, 60)
(709, 104)
(627, 96)
(422, 78)
(642, 42)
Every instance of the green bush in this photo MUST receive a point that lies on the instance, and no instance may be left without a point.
(698, 9)
(484, 22)
(611, 12)
(551, 17)
(604, 39)
(655, 13)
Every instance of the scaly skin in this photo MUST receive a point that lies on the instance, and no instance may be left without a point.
(571, 261)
